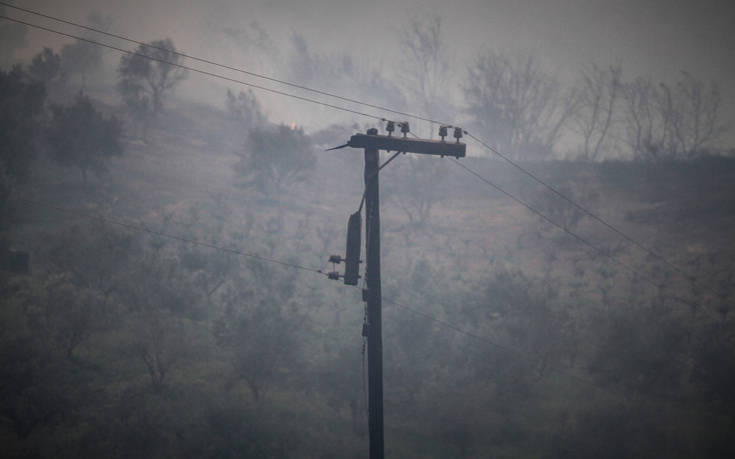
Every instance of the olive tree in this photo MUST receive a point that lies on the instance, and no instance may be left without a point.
(276, 157)
(148, 76)
(22, 101)
(82, 137)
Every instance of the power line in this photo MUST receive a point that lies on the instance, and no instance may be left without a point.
(578, 206)
(292, 265)
(224, 66)
(533, 176)
(139, 228)
(508, 349)
(549, 220)
(443, 323)
(632, 270)
(185, 67)
(516, 165)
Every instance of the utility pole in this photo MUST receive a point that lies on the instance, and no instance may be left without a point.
(372, 143)
(374, 300)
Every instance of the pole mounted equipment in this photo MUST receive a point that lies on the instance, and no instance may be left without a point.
(372, 143)
(352, 253)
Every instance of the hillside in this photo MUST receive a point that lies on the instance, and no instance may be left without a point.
(504, 336)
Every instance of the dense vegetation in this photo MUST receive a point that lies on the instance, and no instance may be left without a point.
(504, 337)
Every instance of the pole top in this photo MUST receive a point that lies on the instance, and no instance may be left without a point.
(372, 140)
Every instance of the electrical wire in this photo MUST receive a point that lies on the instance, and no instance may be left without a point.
(631, 269)
(192, 69)
(261, 258)
(224, 66)
(137, 227)
(578, 206)
(545, 218)
(443, 323)
(533, 176)
(549, 220)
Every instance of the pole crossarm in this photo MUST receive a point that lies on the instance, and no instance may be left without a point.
(422, 146)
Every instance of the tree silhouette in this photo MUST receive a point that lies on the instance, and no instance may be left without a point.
(82, 137)
(46, 66)
(598, 97)
(520, 107)
(21, 109)
(147, 77)
(21, 106)
(276, 157)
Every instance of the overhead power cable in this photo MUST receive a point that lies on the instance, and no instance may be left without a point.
(578, 206)
(137, 227)
(185, 67)
(552, 222)
(224, 66)
(480, 141)
(533, 176)
(632, 270)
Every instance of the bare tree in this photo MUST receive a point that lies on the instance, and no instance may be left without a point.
(516, 103)
(147, 77)
(597, 99)
(644, 122)
(672, 122)
(425, 64)
(425, 72)
(695, 117)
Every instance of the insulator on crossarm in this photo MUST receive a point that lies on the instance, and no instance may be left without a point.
(405, 129)
(443, 132)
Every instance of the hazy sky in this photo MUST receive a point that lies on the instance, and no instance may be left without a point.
(654, 37)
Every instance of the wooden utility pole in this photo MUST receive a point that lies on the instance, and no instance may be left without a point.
(372, 143)
(374, 301)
